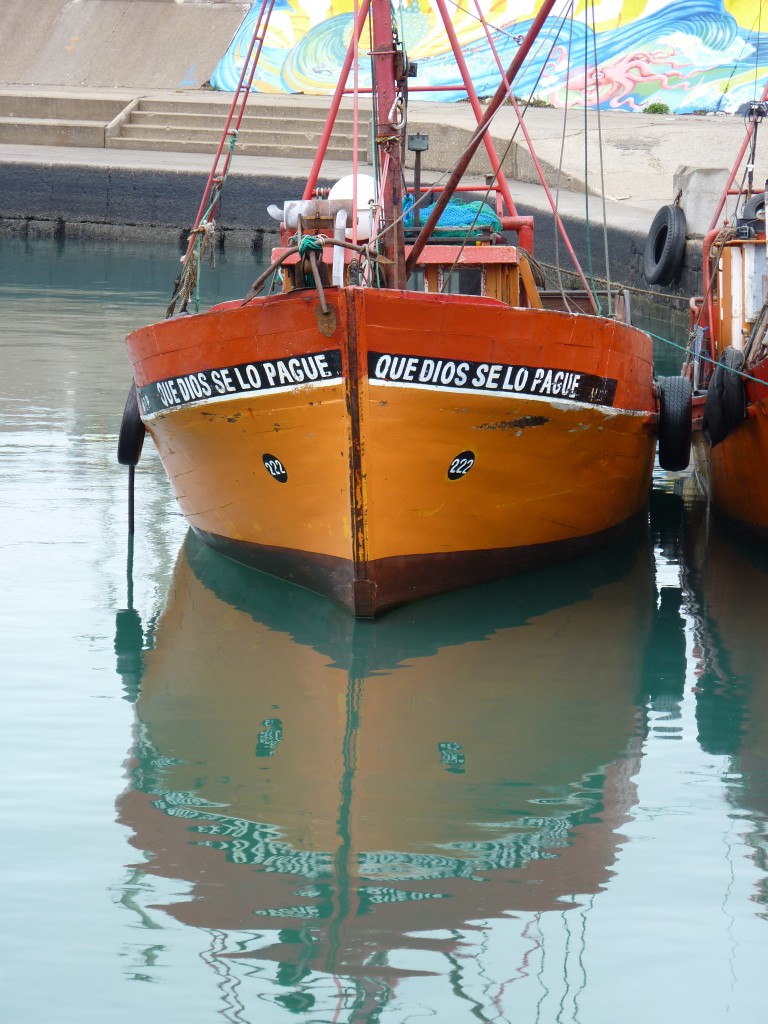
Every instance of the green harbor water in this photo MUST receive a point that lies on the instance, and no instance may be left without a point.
(539, 802)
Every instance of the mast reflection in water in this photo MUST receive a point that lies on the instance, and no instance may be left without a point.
(348, 798)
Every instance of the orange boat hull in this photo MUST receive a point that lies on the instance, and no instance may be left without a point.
(729, 471)
(402, 444)
(738, 492)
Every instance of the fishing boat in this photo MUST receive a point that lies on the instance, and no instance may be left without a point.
(406, 411)
(727, 359)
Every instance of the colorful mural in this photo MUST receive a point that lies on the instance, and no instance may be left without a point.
(692, 55)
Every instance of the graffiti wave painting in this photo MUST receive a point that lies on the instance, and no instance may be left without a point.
(692, 55)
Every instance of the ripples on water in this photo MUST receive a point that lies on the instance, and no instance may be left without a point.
(543, 800)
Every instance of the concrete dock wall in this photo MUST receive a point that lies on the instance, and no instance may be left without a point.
(133, 44)
(107, 199)
(159, 204)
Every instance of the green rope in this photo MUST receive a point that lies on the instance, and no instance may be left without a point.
(706, 359)
(668, 341)
(310, 243)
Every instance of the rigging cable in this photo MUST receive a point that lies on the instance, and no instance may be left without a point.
(355, 115)
(757, 47)
(482, 20)
(558, 267)
(588, 226)
(602, 167)
(559, 225)
(521, 115)
(738, 60)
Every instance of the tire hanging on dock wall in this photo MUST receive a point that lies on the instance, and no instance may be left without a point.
(675, 423)
(130, 440)
(665, 246)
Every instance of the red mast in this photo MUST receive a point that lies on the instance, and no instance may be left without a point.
(389, 73)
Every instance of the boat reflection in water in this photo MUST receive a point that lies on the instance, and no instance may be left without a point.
(727, 589)
(345, 796)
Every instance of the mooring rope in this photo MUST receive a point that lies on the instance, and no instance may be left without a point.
(706, 359)
(188, 282)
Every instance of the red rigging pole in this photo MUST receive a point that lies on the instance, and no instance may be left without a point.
(529, 142)
(499, 96)
(221, 160)
(341, 85)
(751, 129)
(390, 71)
(474, 102)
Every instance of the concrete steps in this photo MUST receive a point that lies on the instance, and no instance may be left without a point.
(52, 131)
(244, 149)
(44, 106)
(50, 120)
(195, 126)
(191, 124)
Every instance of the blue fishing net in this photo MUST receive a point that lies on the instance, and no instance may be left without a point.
(456, 214)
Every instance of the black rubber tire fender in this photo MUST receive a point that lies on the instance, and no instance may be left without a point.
(713, 421)
(130, 440)
(675, 423)
(665, 246)
(754, 208)
(734, 391)
(726, 403)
